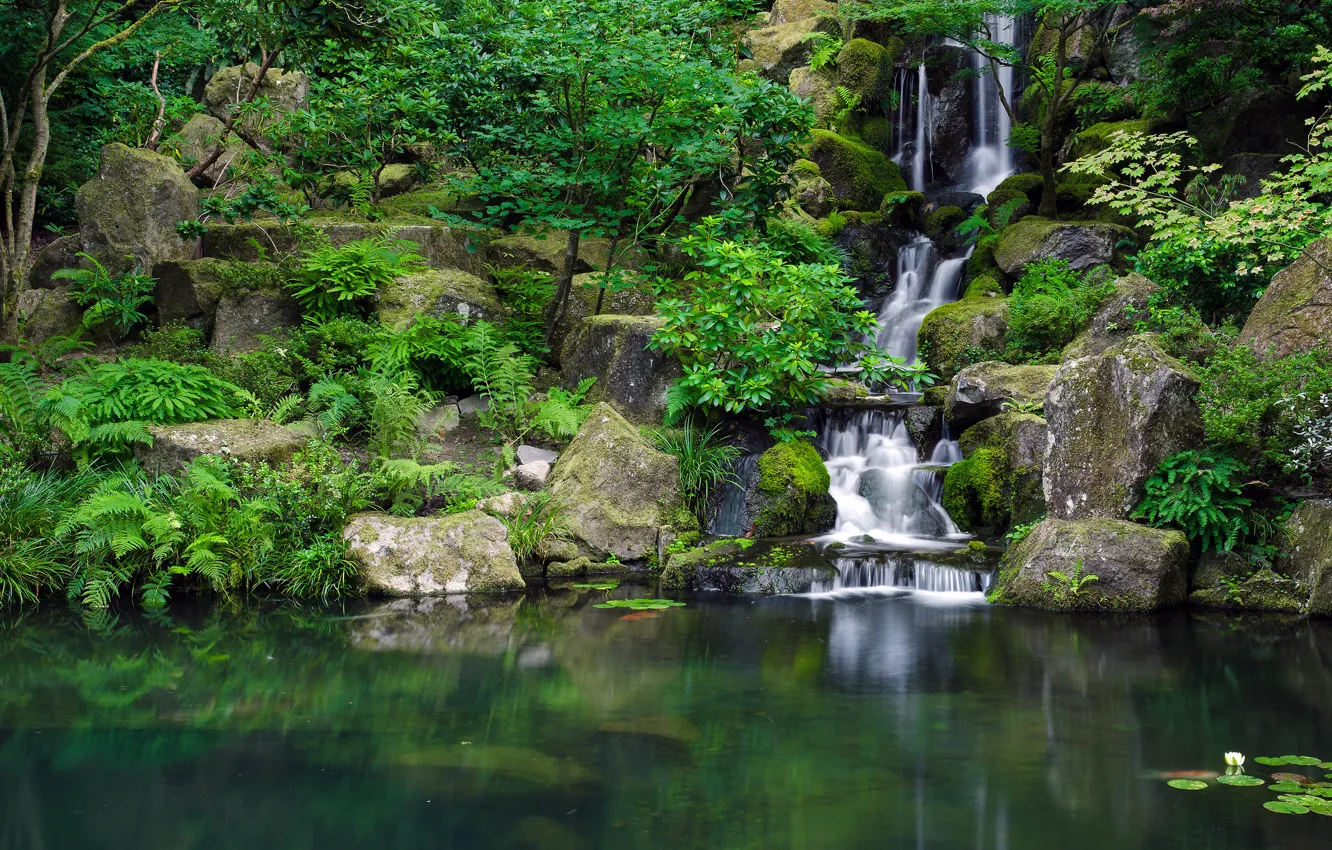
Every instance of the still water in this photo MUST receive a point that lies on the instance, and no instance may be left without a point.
(842, 720)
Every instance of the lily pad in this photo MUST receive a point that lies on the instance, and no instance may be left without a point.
(1283, 808)
(641, 604)
(1287, 787)
(1240, 780)
(1302, 760)
(1187, 784)
(1299, 778)
(600, 585)
(1271, 761)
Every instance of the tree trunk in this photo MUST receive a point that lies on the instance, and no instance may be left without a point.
(610, 265)
(1054, 104)
(28, 182)
(213, 155)
(555, 312)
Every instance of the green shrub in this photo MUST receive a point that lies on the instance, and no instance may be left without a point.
(107, 299)
(336, 281)
(1049, 304)
(151, 391)
(539, 518)
(525, 292)
(1201, 494)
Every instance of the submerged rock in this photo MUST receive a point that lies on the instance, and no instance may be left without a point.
(1082, 244)
(1113, 418)
(1136, 568)
(253, 440)
(617, 489)
(792, 495)
(128, 213)
(631, 376)
(1295, 312)
(998, 483)
(431, 556)
(985, 389)
(1263, 590)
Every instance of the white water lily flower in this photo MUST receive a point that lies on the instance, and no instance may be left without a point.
(1235, 759)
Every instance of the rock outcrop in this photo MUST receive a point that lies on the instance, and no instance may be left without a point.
(49, 312)
(792, 495)
(617, 489)
(244, 318)
(432, 556)
(1136, 568)
(860, 176)
(1082, 244)
(196, 140)
(1308, 551)
(998, 483)
(188, 292)
(951, 336)
(254, 440)
(1113, 418)
(1295, 312)
(614, 350)
(439, 293)
(283, 91)
(984, 389)
(1115, 318)
(779, 50)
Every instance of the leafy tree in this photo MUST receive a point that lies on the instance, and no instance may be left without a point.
(754, 332)
(973, 23)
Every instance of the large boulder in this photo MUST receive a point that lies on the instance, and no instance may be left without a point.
(866, 69)
(128, 213)
(998, 482)
(1113, 418)
(1308, 552)
(1082, 244)
(792, 495)
(1136, 568)
(1295, 312)
(951, 337)
(1258, 120)
(544, 251)
(466, 552)
(618, 491)
(438, 293)
(46, 313)
(61, 253)
(634, 301)
(817, 87)
(188, 292)
(779, 50)
(243, 319)
(789, 11)
(984, 389)
(1115, 318)
(860, 176)
(614, 350)
(252, 440)
(442, 247)
(283, 91)
(196, 140)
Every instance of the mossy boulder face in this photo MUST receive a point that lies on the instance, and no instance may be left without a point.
(635, 301)
(630, 376)
(779, 50)
(128, 213)
(243, 319)
(866, 69)
(1308, 552)
(1115, 318)
(998, 482)
(45, 313)
(196, 140)
(418, 201)
(544, 251)
(790, 11)
(900, 209)
(442, 247)
(1136, 568)
(1113, 418)
(982, 263)
(1258, 590)
(188, 292)
(1098, 137)
(61, 253)
(681, 572)
(1006, 205)
(792, 495)
(617, 489)
(1295, 312)
(438, 293)
(941, 225)
(957, 335)
(254, 440)
(817, 88)
(982, 390)
(466, 552)
(1082, 244)
(860, 176)
(284, 91)
(984, 287)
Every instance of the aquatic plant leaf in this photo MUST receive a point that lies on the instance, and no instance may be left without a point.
(641, 604)
(1325, 765)
(600, 585)
(1271, 761)
(1293, 777)
(1187, 784)
(1287, 787)
(1283, 808)
(1302, 760)
(1240, 780)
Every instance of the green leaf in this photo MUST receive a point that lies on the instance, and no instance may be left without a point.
(641, 604)
(1283, 808)
(1271, 761)
(1240, 780)
(1187, 784)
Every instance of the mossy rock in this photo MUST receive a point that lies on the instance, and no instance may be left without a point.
(998, 202)
(986, 389)
(45, 313)
(195, 141)
(984, 287)
(175, 447)
(860, 175)
(1082, 244)
(874, 130)
(243, 319)
(792, 496)
(1115, 317)
(1307, 552)
(188, 292)
(1098, 137)
(284, 92)
(682, 567)
(779, 50)
(631, 376)
(941, 224)
(866, 69)
(439, 293)
(998, 483)
(1295, 312)
(982, 264)
(1264, 590)
(956, 335)
(466, 552)
(790, 11)
(418, 202)
(817, 88)
(900, 209)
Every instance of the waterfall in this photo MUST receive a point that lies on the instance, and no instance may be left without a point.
(922, 119)
(991, 158)
(730, 518)
(923, 283)
(913, 153)
(884, 571)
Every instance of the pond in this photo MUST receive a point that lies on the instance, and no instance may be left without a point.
(849, 719)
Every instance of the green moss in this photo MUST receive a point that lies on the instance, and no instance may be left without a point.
(682, 567)
(865, 68)
(984, 287)
(941, 223)
(419, 202)
(998, 198)
(806, 166)
(902, 208)
(860, 176)
(1263, 591)
(1027, 184)
(956, 335)
(982, 264)
(438, 292)
(793, 489)
(974, 490)
(874, 130)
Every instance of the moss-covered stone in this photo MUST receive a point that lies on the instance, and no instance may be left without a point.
(984, 287)
(630, 376)
(466, 552)
(544, 251)
(681, 567)
(45, 313)
(1307, 551)
(438, 293)
(789, 11)
(617, 489)
(254, 440)
(1098, 137)
(998, 483)
(1028, 183)
(284, 92)
(779, 50)
(1295, 312)
(817, 88)
(196, 140)
(1264, 590)
(792, 495)
(860, 175)
(188, 292)
(941, 224)
(1258, 120)
(900, 209)
(1136, 568)
(418, 202)
(1115, 318)
(956, 335)
(866, 69)
(1082, 244)
(874, 130)
(1004, 206)
(982, 264)
(985, 389)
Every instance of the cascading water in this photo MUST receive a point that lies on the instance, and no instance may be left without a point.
(991, 158)
(913, 153)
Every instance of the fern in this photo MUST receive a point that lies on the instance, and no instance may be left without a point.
(107, 299)
(409, 485)
(337, 281)
(20, 392)
(395, 404)
(826, 48)
(845, 102)
(1200, 493)
(978, 229)
(679, 399)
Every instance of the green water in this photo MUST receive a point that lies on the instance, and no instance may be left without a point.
(910, 721)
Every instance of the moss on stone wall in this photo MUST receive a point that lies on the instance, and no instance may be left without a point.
(941, 223)
(866, 69)
(860, 176)
(793, 491)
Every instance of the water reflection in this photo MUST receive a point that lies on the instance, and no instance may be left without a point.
(890, 721)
